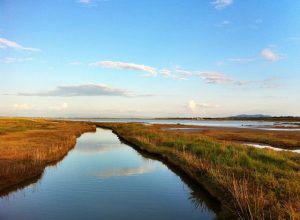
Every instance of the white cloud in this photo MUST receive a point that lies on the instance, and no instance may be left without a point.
(22, 107)
(193, 106)
(82, 90)
(215, 78)
(220, 4)
(5, 43)
(268, 54)
(178, 73)
(131, 66)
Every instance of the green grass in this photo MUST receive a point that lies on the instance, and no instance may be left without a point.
(251, 183)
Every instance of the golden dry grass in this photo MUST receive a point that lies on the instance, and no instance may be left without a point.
(27, 146)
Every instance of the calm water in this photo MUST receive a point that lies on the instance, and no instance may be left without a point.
(105, 179)
(218, 123)
(262, 125)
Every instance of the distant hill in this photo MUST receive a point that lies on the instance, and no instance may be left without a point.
(251, 116)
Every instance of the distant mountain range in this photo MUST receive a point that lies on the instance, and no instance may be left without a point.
(251, 116)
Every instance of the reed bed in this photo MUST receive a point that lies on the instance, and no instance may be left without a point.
(27, 146)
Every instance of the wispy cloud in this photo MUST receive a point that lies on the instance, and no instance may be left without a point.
(215, 78)
(165, 72)
(223, 23)
(91, 3)
(82, 90)
(272, 82)
(223, 79)
(85, 1)
(220, 4)
(181, 71)
(255, 23)
(22, 106)
(268, 54)
(76, 63)
(88, 2)
(28, 107)
(130, 66)
(194, 106)
(268, 83)
(16, 60)
(149, 70)
(5, 43)
(294, 39)
(240, 60)
(176, 72)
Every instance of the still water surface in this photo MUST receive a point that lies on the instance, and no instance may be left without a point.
(216, 123)
(102, 178)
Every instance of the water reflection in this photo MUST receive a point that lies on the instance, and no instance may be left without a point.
(146, 168)
(198, 196)
(97, 148)
(82, 186)
(33, 182)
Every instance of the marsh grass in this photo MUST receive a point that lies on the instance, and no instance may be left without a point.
(27, 146)
(251, 183)
(277, 138)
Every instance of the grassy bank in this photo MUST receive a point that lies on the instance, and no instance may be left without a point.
(250, 183)
(27, 146)
(282, 139)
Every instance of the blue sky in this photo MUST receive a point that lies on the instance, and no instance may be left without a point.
(135, 58)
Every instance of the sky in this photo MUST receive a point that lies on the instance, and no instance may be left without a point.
(140, 58)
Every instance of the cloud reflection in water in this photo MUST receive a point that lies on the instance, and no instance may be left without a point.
(146, 168)
(98, 148)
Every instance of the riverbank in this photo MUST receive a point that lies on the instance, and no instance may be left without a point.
(250, 183)
(27, 146)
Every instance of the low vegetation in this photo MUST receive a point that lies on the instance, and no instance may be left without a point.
(250, 183)
(280, 138)
(27, 146)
